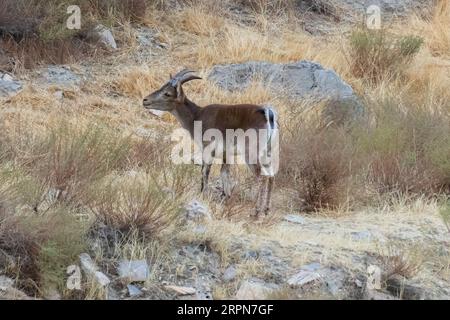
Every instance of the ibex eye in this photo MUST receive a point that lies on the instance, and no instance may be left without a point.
(167, 94)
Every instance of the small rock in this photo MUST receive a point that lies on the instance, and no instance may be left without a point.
(294, 218)
(251, 254)
(203, 295)
(112, 294)
(104, 36)
(145, 36)
(302, 278)
(133, 270)
(60, 75)
(254, 289)
(314, 266)
(52, 294)
(199, 229)
(101, 279)
(13, 294)
(133, 291)
(91, 270)
(377, 295)
(87, 264)
(373, 277)
(182, 291)
(58, 94)
(361, 236)
(399, 287)
(229, 274)
(196, 211)
(9, 86)
(8, 292)
(5, 282)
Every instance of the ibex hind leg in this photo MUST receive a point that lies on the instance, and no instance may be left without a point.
(268, 201)
(260, 183)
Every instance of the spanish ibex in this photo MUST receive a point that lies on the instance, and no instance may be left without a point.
(260, 119)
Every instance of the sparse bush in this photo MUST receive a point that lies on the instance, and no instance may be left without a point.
(317, 164)
(406, 150)
(134, 205)
(35, 31)
(401, 260)
(376, 54)
(40, 248)
(68, 159)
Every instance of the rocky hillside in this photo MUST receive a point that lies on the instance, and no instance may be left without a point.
(91, 207)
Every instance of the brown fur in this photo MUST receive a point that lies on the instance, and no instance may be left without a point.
(171, 98)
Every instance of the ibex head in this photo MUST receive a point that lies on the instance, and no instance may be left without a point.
(170, 94)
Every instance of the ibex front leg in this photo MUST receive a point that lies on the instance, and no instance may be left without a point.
(226, 180)
(206, 168)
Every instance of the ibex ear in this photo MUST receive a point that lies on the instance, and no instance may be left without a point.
(180, 93)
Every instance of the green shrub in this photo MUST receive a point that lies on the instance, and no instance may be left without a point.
(376, 54)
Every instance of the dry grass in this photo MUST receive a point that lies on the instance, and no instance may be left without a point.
(108, 173)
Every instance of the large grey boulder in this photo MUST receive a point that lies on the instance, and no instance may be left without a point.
(9, 86)
(294, 81)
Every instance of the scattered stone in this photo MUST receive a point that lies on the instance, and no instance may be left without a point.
(399, 287)
(112, 294)
(373, 278)
(8, 86)
(361, 235)
(294, 218)
(196, 211)
(8, 292)
(59, 94)
(378, 295)
(11, 293)
(133, 270)
(133, 291)
(60, 75)
(255, 289)
(181, 291)
(302, 278)
(146, 37)
(199, 229)
(103, 35)
(91, 270)
(229, 274)
(5, 282)
(52, 294)
(314, 266)
(251, 254)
